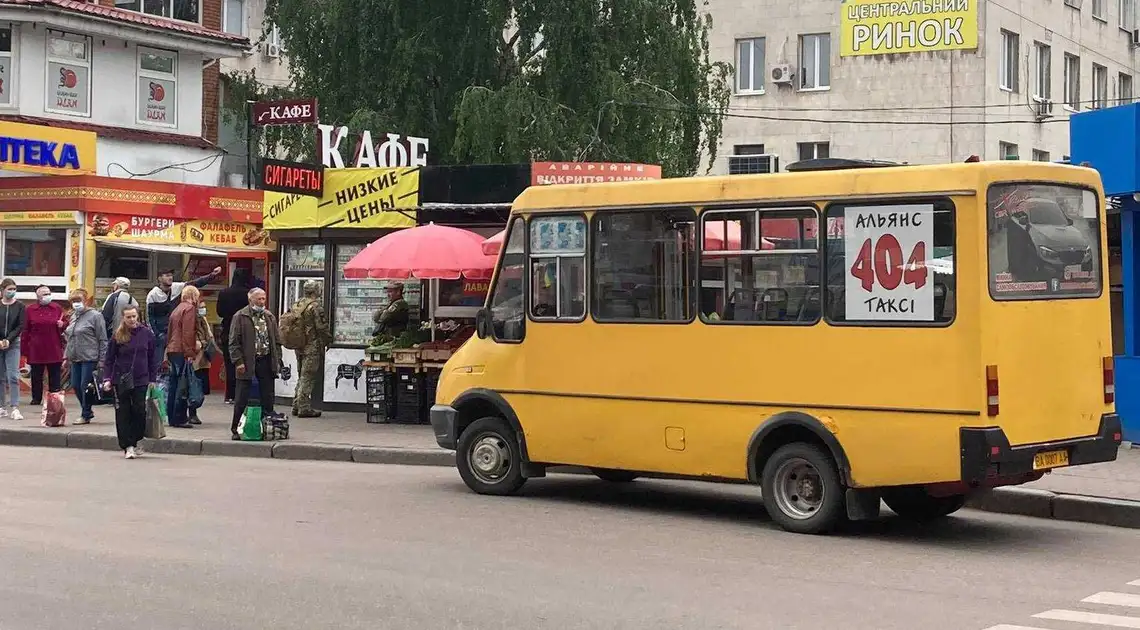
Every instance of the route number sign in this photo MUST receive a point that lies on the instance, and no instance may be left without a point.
(886, 249)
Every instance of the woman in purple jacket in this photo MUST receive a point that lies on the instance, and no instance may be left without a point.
(131, 366)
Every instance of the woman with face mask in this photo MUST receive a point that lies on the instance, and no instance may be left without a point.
(42, 343)
(12, 319)
(86, 346)
(204, 336)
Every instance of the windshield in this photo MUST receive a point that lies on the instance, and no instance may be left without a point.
(1030, 263)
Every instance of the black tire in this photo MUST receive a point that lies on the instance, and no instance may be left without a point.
(915, 504)
(495, 445)
(614, 476)
(822, 475)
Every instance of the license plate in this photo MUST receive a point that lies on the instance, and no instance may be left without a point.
(1050, 459)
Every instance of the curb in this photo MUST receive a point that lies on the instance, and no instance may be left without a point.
(308, 451)
(1017, 501)
(1059, 506)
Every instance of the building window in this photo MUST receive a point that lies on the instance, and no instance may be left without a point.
(234, 18)
(644, 266)
(1127, 12)
(7, 84)
(1007, 64)
(1099, 86)
(1043, 89)
(1098, 10)
(1075, 4)
(1008, 151)
(1072, 82)
(760, 266)
(815, 61)
(750, 66)
(1124, 88)
(69, 75)
(157, 87)
(1040, 156)
(558, 268)
(750, 159)
(814, 150)
(184, 10)
(272, 46)
(880, 271)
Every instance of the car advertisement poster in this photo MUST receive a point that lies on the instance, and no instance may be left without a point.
(1044, 241)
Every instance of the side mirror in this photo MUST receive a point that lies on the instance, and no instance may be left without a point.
(483, 323)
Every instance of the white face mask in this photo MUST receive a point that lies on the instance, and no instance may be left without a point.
(45, 299)
(78, 306)
(202, 311)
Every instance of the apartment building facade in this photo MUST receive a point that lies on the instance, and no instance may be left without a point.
(918, 81)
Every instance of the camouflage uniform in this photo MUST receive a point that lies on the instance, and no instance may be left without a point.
(316, 328)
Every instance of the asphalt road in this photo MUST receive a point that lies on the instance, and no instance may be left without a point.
(88, 540)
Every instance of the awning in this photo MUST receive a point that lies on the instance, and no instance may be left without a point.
(164, 249)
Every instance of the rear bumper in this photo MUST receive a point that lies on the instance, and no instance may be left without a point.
(987, 454)
(443, 425)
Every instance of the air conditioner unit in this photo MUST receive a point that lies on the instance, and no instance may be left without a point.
(272, 50)
(1136, 37)
(1042, 107)
(782, 74)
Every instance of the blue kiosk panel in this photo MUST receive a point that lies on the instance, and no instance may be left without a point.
(1108, 140)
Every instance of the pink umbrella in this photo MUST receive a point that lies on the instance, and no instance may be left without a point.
(492, 245)
(427, 252)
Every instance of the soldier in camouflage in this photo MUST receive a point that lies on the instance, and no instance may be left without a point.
(318, 337)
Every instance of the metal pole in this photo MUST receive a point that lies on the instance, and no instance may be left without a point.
(249, 144)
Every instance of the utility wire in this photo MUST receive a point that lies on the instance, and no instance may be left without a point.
(836, 121)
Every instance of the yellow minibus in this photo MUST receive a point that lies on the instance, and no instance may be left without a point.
(841, 334)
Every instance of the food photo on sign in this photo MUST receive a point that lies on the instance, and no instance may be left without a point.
(1044, 240)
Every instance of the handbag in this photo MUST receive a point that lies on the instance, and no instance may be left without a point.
(125, 383)
(155, 412)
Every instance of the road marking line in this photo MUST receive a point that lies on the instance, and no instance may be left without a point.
(1134, 583)
(1009, 627)
(1113, 599)
(1077, 616)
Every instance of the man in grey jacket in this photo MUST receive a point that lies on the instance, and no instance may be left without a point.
(119, 299)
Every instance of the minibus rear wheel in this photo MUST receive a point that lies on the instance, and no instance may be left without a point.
(489, 458)
(916, 504)
(801, 489)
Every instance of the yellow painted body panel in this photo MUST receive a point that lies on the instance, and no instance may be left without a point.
(624, 396)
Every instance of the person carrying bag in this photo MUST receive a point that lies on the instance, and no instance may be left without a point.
(131, 371)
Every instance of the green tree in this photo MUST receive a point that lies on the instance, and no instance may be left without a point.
(506, 81)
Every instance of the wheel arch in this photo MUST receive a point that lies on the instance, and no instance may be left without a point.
(479, 403)
(788, 427)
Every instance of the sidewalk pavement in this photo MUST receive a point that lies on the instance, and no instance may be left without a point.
(1103, 493)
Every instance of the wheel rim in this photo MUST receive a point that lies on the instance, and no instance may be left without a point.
(490, 458)
(798, 489)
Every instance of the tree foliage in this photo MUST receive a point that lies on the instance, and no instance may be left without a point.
(506, 81)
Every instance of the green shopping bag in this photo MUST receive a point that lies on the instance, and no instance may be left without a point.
(158, 395)
(249, 428)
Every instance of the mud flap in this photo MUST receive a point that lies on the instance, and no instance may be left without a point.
(863, 505)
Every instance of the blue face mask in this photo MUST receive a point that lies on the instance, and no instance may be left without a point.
(257, 309)
(78, 306)
(9, 293)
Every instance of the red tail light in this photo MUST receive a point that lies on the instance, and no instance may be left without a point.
(1109, 382)
(991, 390)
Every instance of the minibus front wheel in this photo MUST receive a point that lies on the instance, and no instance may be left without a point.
(489, 458)
(801, 489)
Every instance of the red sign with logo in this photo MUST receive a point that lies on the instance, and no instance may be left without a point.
(296, 111)
(542, 173)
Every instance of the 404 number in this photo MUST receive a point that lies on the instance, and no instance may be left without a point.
(884, 261)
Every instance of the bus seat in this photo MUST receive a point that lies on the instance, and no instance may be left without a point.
(774, 305)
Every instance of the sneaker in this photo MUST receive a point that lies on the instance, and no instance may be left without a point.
(16, 415)
(138, 450)
(229, 401)
(131, 454)
(4, 413)
(82, 421)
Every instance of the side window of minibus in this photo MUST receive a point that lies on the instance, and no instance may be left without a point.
(760, 266)
(890, 263)
(508, 322)
(558, 268)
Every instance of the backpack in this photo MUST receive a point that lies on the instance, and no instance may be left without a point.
(291, 328)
